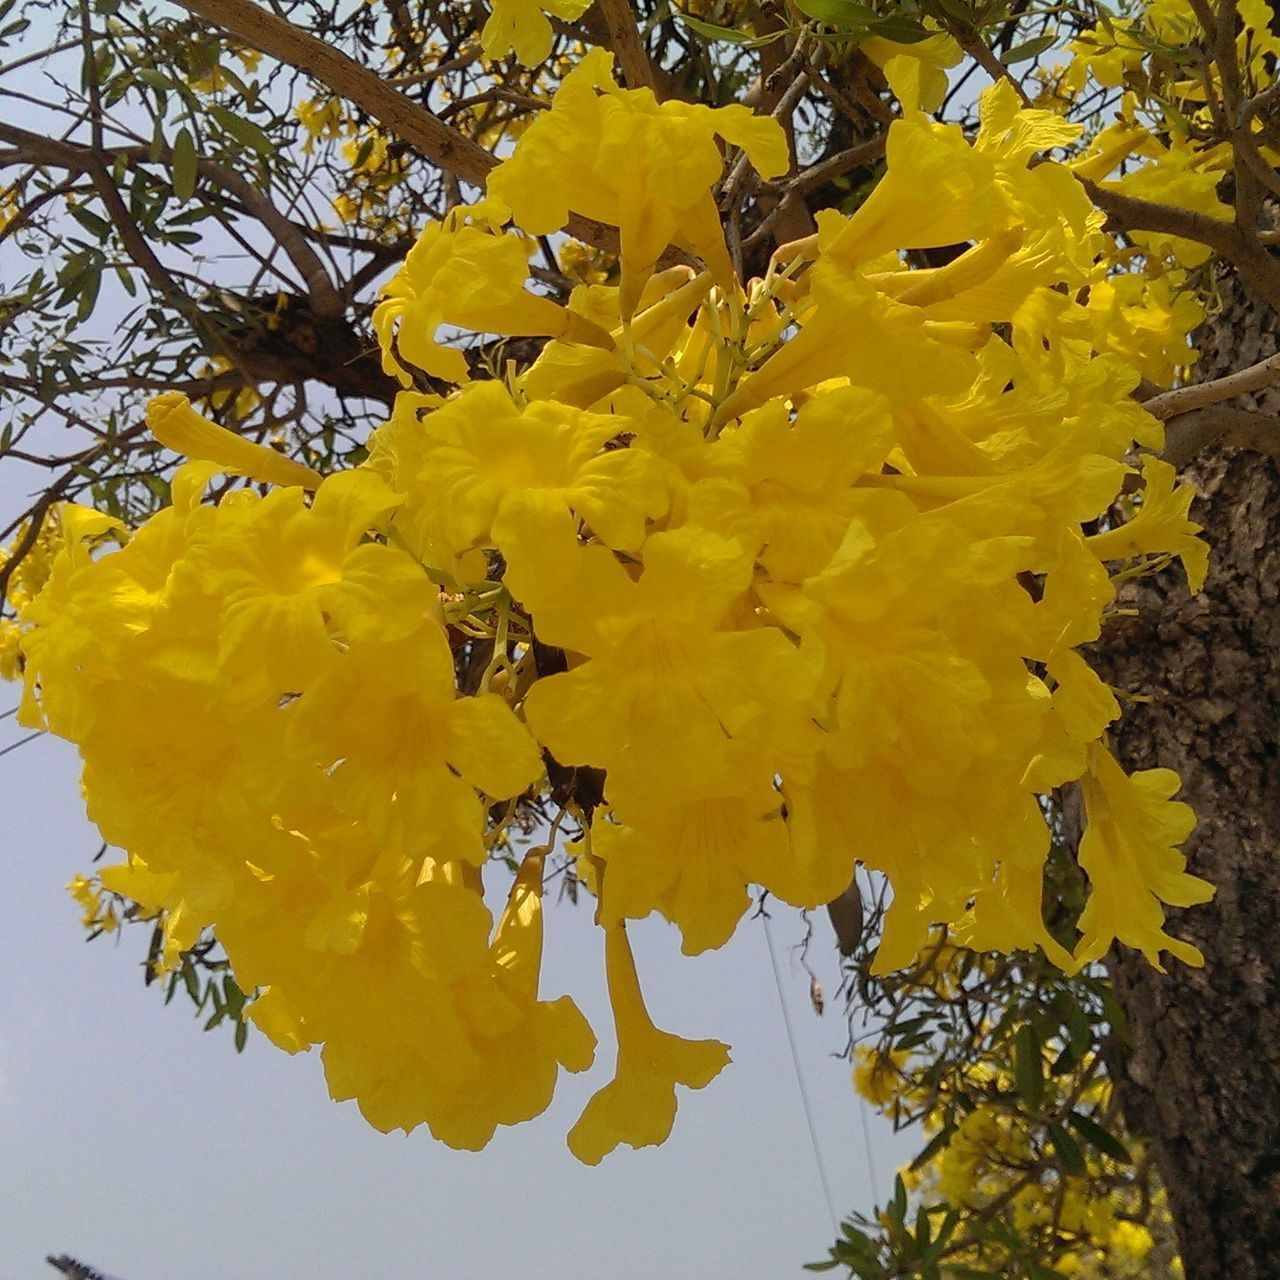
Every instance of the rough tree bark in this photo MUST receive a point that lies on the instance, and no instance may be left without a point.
(1203, 1078)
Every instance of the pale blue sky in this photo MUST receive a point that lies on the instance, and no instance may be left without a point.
(147, 1147)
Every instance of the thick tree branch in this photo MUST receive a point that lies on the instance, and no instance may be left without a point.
(1240, 247)
(414, 124)
(624, 40)
(407, 120)
(1190, 434)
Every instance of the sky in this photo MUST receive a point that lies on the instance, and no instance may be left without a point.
(133, 1140)
(147, 1148)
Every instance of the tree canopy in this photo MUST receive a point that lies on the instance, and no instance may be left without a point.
(685, 452)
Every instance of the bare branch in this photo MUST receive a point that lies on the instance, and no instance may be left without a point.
(1240, 247)
(262, 30)
(412, 123)
(325, 299)
(1169, 404)
(832, 167)
(624, 40)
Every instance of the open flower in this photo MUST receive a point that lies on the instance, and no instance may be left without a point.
(646, 167)
(638, 1106)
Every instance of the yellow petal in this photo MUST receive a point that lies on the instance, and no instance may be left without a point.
(177, 426)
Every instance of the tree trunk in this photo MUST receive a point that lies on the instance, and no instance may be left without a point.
(1203, 1079)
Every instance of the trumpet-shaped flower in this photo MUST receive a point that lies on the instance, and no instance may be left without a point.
(406, 755)
(486, 468)
(1129, 853)
(623, 158)
(521, 1054)
(666, 689)
(692, 857)
(465, 273)
(638, 1106)
(523, 28)
(1162, 525)
(181, 428)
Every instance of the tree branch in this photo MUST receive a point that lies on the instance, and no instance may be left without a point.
(1239, 247)
(262, 30)
(325, 299)
(407, 120)
(1190, 434)
(624, 40)
(1169, 404)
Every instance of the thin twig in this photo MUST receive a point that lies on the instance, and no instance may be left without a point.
(1169, 404)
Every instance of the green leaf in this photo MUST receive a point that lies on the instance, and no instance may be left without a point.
(1106, 1141)
(934, 1145)
(1065, 1061)
(89, 287)
(1028, 49)
(960, 10)
(156, 79)
(1028, 1066)
(234, 996)
(242, 1035)
(897, 1209)
(709, 31)
(184, 165)
(243, 130)
(96, 226)
(924, 1229)
(1067, 1149)
(1079, 1028)
(1036, 1272)
(837, 13)
(900, 29)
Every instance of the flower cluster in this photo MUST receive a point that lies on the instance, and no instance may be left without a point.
(800, 566)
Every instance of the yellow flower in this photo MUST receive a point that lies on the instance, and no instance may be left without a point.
(177, 426)
(9, 207)
(520, 1041)
(666, 690)
(405, 754)
(289, 581)
(321, 119)
(691, 855)
(487, 471)
(799, 476)
(638, 1106)
(919, 75)
(465, 274)
(522, 27)
(1162, 524)
(10, 650)
(1129, 853)
(621, 157)
(877, 1075)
